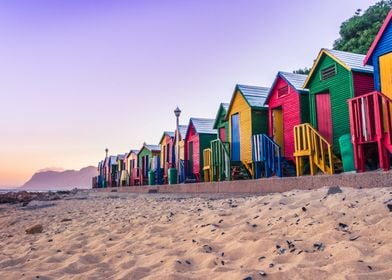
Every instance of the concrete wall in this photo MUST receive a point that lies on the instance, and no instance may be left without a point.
(374, 179)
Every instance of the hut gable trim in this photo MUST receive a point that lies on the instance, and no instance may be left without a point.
(295, 81)
(377, 39)
(254, 96)
(349, 61)
(201, 126)
(152, 148)
(167, 133)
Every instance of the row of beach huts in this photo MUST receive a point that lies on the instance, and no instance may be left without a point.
(335, 119)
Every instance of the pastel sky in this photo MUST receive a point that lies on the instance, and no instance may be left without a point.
(78, 76)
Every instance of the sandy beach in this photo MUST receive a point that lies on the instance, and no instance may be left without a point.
(293, 235)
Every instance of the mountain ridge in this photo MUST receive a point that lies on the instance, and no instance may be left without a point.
(66, 179)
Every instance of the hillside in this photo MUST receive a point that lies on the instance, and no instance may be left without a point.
(67, 179)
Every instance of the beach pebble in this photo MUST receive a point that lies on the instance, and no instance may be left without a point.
(262, 273)
(35, 229)
(334, 190)
(248, 278)
(389, 207)
(319, 246)
(207, 248)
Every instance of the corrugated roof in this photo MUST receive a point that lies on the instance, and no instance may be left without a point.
(120, 157)
(152, 147)
(353, 60)
(203, 125)
(132, 152)
(295, 80)
(350, 61)
(254, 95)
(182, 129)
(378, 38)
(171, 134)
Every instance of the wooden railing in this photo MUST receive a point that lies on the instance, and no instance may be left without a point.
(220, 160)
(370, 122)
(207, 167)
(309, 143)
(267, 153)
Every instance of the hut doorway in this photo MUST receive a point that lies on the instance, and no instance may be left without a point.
(235, 138)
(324, 116)
(386, 74)
(190, 167)
(277, 127)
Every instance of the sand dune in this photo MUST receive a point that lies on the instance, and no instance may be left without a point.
(294, 235)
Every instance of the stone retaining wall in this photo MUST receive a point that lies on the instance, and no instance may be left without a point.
(375, 179)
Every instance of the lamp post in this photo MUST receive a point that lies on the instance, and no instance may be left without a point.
(177, 113)
(106, 171)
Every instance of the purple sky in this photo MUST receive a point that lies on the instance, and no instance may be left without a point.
(79, 76)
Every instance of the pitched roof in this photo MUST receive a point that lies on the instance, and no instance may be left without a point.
(171, 134)
(350, 61)
(294, 80)
(377, 39)
(153, 148)
(201, 125)
(182, 129)
(113, 160)
(132, 151)
(222, 106)
(120, 157)
(255, 96)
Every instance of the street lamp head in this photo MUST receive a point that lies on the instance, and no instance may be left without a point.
(106, 151)
(177, 112)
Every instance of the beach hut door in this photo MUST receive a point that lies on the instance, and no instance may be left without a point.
(190, 168)
(235, 137)
(277, 119)
(324, 116)
(386, 74)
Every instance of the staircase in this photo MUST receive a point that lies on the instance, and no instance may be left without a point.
(370, 122)
(309, 144)
(266, 153)
(220, 160)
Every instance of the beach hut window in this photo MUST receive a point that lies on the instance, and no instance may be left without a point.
(328, 72)
(283, 91)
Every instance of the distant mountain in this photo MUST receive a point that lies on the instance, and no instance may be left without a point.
(67, 179)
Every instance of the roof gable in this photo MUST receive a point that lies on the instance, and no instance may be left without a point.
(223, 107)
(167, 133)
(296, 82)
(135, 152)
(202, 126)
(378, 38)
(151, 148)
(254, 96)
(349, 61)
